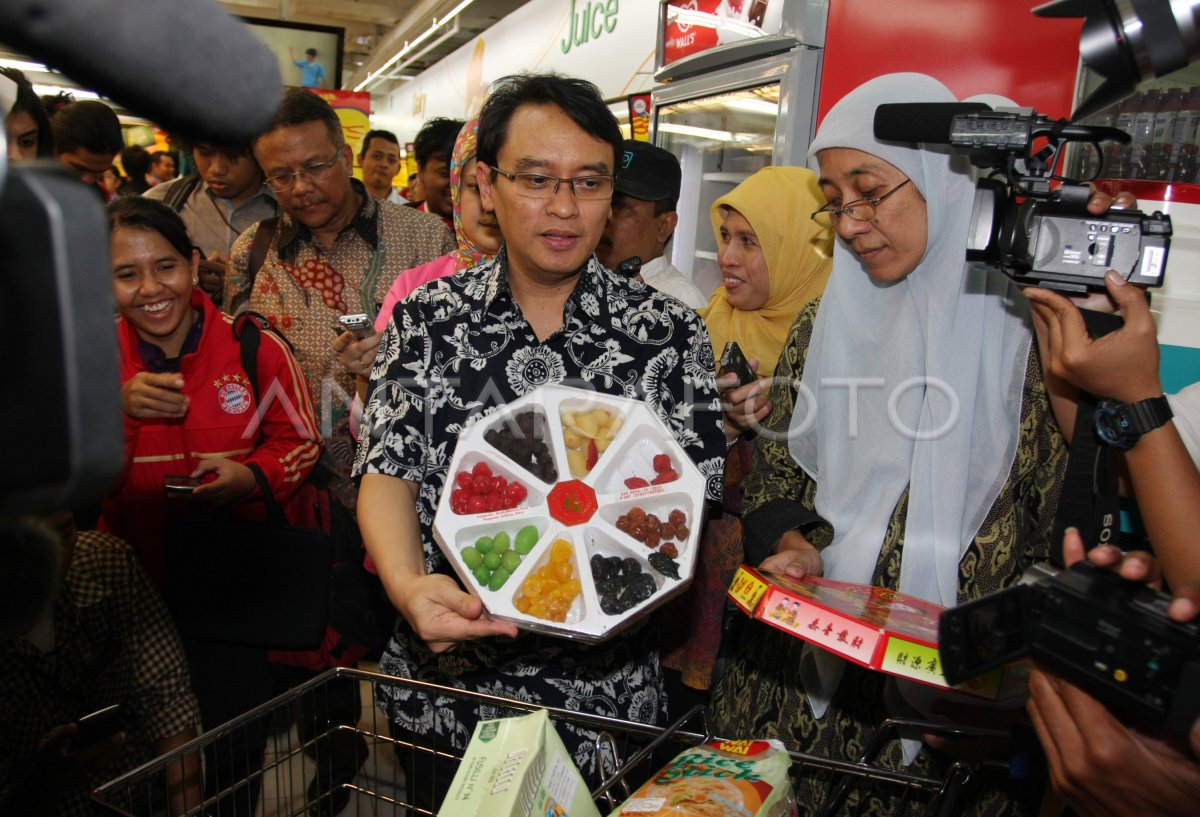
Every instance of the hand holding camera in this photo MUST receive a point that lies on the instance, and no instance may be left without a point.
(147, 395)
(357, 343)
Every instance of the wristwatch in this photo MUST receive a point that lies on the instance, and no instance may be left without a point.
(1122, 424)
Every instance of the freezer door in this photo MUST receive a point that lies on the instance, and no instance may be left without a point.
(724, 128)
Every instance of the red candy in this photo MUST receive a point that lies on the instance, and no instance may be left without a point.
(664, 472)
(478, 490)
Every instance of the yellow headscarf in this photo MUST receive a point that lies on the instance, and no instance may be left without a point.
(777, 201)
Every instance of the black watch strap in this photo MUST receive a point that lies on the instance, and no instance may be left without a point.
(1121, 425)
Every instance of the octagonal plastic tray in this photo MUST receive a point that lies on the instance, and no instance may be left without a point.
(584, 510)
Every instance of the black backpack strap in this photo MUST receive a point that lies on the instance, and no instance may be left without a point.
(263, 237)
(179, 192)
(248, 328)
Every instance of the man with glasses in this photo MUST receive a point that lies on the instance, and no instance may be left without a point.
(335, 252)
(543, 311)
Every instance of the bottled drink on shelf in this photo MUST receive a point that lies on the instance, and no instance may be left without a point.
(1183, 165)
(1162, 142)
(1143, 134)
(1117, 162)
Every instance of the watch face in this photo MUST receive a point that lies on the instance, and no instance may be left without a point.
(1113, 427)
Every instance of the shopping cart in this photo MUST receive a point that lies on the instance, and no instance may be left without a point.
(297, 777)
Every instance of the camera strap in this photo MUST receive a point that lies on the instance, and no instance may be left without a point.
(1091, 499)
(1090, 496)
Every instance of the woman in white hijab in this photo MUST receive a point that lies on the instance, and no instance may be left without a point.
(919, 451)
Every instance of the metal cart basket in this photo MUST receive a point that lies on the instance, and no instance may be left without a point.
(298, 778)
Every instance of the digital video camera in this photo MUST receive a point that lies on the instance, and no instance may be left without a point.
(1024, 223)
(1109, 636)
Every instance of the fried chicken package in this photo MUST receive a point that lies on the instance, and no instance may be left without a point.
(721, 778)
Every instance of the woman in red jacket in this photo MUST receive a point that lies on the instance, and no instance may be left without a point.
(193, 412)
(191, 409)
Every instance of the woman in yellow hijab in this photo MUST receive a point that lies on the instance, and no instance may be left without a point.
(774, 259)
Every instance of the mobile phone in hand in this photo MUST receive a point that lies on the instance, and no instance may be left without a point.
(98, 725)
(732, 360)
(180, 485)
(360, 324)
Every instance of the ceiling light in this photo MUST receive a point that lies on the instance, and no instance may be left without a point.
(409, 46)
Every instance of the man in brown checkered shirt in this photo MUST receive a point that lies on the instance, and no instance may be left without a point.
(107, 639)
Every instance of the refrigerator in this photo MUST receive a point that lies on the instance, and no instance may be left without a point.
(729, 101)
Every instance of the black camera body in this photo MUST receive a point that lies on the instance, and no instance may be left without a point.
(1055, 242)
(1107, 635)
(1024, 223)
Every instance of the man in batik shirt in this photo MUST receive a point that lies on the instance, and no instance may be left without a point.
(544, 311)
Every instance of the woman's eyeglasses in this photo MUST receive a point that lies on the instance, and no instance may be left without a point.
(861, 210)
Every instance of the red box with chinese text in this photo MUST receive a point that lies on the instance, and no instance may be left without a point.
(874, 627)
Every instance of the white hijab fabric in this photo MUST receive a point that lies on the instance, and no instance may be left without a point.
(961, 329)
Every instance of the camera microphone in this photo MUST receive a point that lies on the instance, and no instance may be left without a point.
(927, 122)
(188, 66)
(975, 126)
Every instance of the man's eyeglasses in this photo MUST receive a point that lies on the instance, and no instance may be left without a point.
(861, 210)
(283, 182)
(541, 186)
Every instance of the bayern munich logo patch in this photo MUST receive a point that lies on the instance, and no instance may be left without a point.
(234, 398)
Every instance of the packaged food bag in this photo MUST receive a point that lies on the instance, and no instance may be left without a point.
(732, 778)
(518, 767)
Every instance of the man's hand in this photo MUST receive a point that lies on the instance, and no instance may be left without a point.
(358, 356)
(212, 272)
(742, 407)
(794, 556)
(1122, 365)
(233, 481)
(1102, 767)
(441, 614)
(147, 395)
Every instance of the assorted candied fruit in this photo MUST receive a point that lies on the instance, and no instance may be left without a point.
(655, 533)
(493, 559)
(664, 472)
(621, 583)
(548, 592)
(480, 491)
(522, 438)
(587, 434)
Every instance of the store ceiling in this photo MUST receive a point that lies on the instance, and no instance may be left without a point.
(377, 29)
(374, 31)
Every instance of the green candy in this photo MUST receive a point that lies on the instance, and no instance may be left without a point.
(492, 560)
(526, 539)
(510, 561)
(498, 579)
(471, 557)
(501, 541)
(484, 544)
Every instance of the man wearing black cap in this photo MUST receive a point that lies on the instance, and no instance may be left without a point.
(643, 218)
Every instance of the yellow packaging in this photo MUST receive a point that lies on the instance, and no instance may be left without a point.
(737, 778)
(518, 767)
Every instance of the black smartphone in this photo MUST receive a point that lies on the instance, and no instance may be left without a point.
(360, 324)
(180, 484)
(732, 360)
(98, 725)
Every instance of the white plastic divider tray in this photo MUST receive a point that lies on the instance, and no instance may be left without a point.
(585, 511)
